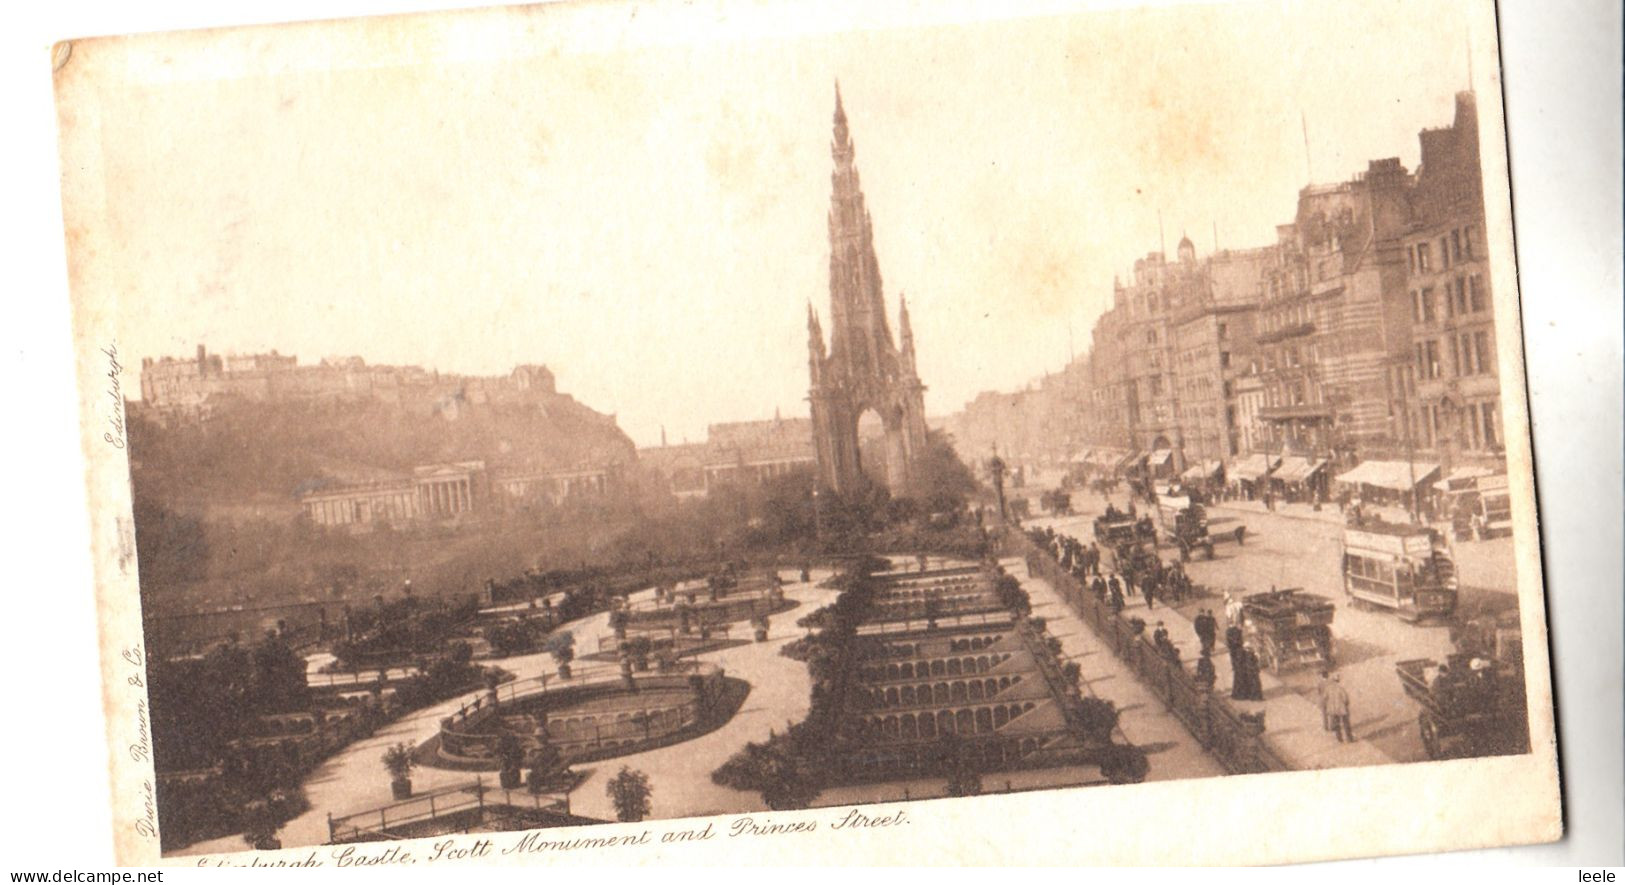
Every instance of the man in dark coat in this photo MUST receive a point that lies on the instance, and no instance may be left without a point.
(1148, 587)
(1117, 599)
(1207, 630)
(1205, 674)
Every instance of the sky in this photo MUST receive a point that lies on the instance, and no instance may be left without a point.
(645, 213)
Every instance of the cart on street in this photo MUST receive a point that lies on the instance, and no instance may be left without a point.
(1471, 706)
(1186, 525)
(1288, 628)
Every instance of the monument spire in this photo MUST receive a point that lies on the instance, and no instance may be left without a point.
(864, 369)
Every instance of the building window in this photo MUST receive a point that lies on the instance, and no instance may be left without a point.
(1224, 359)
(1487, 411)
(1422, 257)
(1455, 357)
(1431, 348)
(1481, 345)
(1455, 245)
(1224, 331)
(1416, 306)
(1475, 285)
(1428, 312)
(1461, 295)
(1444, 253)
(1467, 241)
(1410, 254)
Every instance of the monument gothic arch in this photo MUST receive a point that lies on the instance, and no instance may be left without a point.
(863, 370)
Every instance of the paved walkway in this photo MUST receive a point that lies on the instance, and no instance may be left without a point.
(354, 779)
(1328, 512)
(1293, 725)
(1142, 720)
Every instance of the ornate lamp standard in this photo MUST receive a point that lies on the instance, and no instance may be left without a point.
(996, 467)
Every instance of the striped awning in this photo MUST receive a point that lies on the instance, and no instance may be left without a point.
(1297, 469)
(1463, 478)
(1399, 476)
(1254, 466)
(1202, 470)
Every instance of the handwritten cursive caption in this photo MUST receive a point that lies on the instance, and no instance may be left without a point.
(463, 848)
(115, 392)
(140, 748)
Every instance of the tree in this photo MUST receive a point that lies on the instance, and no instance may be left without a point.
(510, 755)
(1123, 764)
(630, 792)
(787, 782)
(942, 482)
(562, 648)
(398, 761)
(260, 825)
(1072, 672)
(959, 765)
(546, 766)
(1096, 718)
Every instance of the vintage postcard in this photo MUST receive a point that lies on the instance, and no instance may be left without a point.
(771, 432)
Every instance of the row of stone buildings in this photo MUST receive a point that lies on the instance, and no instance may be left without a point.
(1366, 330)
(750, 452)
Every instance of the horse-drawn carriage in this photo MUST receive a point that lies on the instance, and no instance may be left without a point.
(1185, 525)
(1472, 703)
(1056, 501)
(1116, 529)
(1288, 628)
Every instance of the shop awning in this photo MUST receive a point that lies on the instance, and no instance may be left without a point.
(1399, 476)
(1159, 457)
(1463, 478)
(1126, 461)
(1252, 467)
(1297, 469)
(1202, 470)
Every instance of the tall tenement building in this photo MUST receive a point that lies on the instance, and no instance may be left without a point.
(1366, 330)
(1447, 386)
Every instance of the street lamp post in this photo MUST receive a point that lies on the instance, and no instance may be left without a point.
(996, 467)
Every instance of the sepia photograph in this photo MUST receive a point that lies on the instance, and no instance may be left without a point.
(763, 418)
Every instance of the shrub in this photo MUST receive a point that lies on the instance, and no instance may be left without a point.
(1096, 718)
(630, 792)
(1124, 764)
(398, 760)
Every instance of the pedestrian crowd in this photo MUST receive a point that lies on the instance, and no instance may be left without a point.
(1141, 572)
